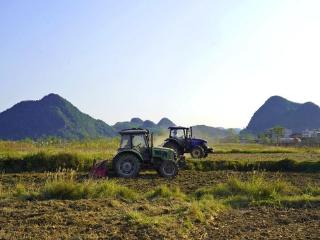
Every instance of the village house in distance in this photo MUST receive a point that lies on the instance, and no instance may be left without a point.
(284, 136)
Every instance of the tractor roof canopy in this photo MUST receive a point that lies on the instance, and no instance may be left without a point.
(172, 128)
(134, 131)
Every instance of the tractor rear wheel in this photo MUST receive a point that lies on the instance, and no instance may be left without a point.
(127, 166)
(174, 147)
(197, 152)
(168, 169)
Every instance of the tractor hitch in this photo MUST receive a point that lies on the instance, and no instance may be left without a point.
(99, 169)
(182, 162)
(210, 150)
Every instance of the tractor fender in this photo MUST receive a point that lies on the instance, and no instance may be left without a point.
(127, 151)
(157, 161)
(179, 148)
(172, 140)
(197, 142)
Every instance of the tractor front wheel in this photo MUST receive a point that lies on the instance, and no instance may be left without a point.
(127, 166)
(197, 152)
(168, 169)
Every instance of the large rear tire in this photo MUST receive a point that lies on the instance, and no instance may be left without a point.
(197, 152)
(127, 166)
(168, 169)
(174, 147)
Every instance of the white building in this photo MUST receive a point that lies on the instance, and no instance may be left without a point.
(287, 133)
(311, 133)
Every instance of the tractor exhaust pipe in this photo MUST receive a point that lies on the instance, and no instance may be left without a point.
(151, 140)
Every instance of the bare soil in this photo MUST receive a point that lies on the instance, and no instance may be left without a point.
(98, 219)
(107, 219)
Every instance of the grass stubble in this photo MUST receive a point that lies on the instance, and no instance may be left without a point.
(165, 207)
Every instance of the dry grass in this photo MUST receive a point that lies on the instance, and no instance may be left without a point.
(79, 155)
(258, 191)
(89, 149)
(259, 148)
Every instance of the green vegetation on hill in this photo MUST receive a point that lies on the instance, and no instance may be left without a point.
(280, 111)
(50, 116)
(214, 135)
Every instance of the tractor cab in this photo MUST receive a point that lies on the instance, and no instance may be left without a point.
(180, 132)
(182, 136)
(139, 140)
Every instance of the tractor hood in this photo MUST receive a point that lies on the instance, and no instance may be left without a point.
(196, 141)
(164, 153)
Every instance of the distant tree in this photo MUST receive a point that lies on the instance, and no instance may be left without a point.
(28, 140)
(278, 132)
(232, 136)
(264, 138)
(248, 137)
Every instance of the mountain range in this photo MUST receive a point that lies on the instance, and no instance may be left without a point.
(54, 116)
(280, 111)
(50, 116)
(162, 125)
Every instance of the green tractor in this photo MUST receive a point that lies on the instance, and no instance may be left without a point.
(136, 152)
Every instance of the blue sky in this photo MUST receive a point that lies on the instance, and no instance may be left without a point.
(196, 62)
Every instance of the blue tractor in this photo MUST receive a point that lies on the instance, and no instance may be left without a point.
(180, 139)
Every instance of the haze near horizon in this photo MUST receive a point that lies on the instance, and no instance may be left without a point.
(206, 62)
